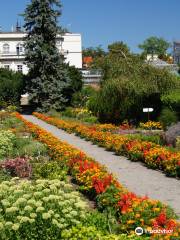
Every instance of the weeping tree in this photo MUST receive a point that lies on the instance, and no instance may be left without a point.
(128, 86)
(47, 79)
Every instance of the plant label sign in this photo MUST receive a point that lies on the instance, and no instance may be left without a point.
(148, 109)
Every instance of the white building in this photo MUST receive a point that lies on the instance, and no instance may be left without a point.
(12, 50)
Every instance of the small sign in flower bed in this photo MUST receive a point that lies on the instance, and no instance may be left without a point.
(152, 155)
(130, 210)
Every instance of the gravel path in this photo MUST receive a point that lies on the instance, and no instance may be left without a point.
(133, 175)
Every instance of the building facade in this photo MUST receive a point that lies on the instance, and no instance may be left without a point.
(12, 53)
(176, 52)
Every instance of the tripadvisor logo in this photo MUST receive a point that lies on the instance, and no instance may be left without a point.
(139, 231)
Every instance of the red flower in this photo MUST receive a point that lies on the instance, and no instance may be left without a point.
(126, 201)
(100, 185)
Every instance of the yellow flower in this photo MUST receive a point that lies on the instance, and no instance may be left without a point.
(156, 209)
(130, 221)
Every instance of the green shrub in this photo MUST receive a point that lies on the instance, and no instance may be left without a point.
(168, 117)
(178, 143)
(69, 112)
(149, 138)
(11, 87)
(7, 140)
(4, 175)
(38, 210)
(11, 122)
(91, 119)
(49, 170)
(104, 222)
(91, 233)
(81, 98)
(34, 148)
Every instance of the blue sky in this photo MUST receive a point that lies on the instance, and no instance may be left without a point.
(102, 22)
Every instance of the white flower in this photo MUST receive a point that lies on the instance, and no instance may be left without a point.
(20, 201)
(33, 215)
(5, 203)
(38, 194)
(1, 226)
(31, 201)
(38, 203)
(11, 209)
(46, 190)
(15, 226)
(74, 213)
(8, 224)
(55, 222)
(28, 208)
(51, 212)
(31, 220)
(40, 209)
(24, 219)
(57, 215)
(46, 216)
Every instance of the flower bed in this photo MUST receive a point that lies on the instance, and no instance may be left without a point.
(153, 155)
(130, 210)
(45, 208)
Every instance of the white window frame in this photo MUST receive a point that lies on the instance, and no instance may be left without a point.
(20, 68)
(6, 48)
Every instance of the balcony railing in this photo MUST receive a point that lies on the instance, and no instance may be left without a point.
(92, 73)
(12, 53)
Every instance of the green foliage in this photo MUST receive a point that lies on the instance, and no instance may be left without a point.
(93, 52)
(49, 170)
(81, 98)
(11, 87)
(41, 210)
(47, 79)
(128, 85)
(29, 147)
(7, 140)
(90, 119)
(11, 122)
(155, 45)
(4, 175)
(104, 222)
(81, 114)
(172, 100)
(148, 138)
(178, 143)
(168, 117)
(91, 233)
(75, 78)
(75, 84)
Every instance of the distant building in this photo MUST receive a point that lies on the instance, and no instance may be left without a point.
(87, 62)
(12, 54)
(176, 52)
(158, 63)
(91, 77)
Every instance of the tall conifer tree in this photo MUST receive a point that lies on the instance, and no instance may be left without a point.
(47, 77)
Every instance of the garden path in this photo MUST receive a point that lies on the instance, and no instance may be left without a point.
(133, 175)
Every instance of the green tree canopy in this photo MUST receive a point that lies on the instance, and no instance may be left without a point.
(11, 87)
(47, 78)
(155, 45)
(128, 85)
(94, 52)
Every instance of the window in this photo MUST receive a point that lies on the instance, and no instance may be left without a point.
(7, 66)
(19, 68)
(6, 48)
(19, 49)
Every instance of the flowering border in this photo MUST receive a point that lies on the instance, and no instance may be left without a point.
(152, 155)
(131, 210)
